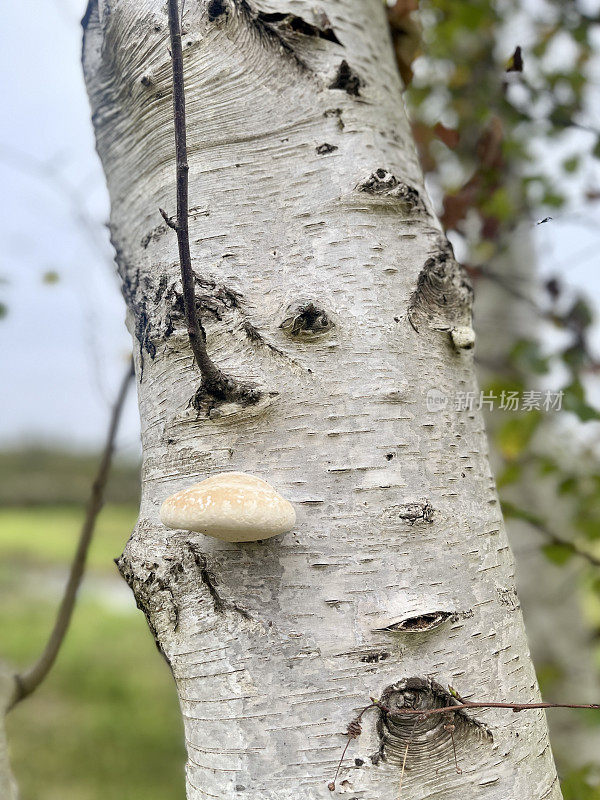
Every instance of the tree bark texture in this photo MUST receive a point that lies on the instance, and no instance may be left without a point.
(324, 279)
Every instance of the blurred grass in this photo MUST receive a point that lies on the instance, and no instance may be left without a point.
(49, 534)
(39, 476)
(105, 725)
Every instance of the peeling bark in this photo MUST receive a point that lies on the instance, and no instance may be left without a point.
(275, 645)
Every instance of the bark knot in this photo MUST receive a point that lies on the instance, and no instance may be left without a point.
(325, 148)
(306, 320)
(216, 8)
(384, 184)
(430, 739)
(413, 512)
(347, 80)
(420, 623)
(443, 298)
(163, 587)
(221, 605)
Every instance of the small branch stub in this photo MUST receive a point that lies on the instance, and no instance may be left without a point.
(231, 506)
(463, 337)
(306, 320)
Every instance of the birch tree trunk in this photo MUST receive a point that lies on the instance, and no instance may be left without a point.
(323, 278)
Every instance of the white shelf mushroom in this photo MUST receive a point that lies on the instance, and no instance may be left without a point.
(231, 506)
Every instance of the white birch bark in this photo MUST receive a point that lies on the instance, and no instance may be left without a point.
(275, 646)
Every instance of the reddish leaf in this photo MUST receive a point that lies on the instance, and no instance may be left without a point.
(449, 136)
(399, 11)
(489, 146)
(456, 205)
(406, 36)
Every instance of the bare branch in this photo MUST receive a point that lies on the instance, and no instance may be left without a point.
(214, 381)
(28, 681)
(516, 707)
(574, 548)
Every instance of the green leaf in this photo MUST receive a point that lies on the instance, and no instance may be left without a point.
(557, 553)
(580, 315)
(568, 485)
(510, 474)
(574, 401)
(527, 354)
(553, 199)
(514, 436)
(499, 205)
(547, 466)
(571, 164)
(581, 784)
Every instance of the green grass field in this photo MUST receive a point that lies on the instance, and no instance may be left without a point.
(105, 725)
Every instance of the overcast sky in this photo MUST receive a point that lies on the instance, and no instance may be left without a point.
(63, 346)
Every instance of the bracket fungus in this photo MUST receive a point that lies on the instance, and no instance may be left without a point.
(231, 506)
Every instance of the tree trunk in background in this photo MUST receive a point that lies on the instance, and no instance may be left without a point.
(8, 786)
(309, 262)
(548, 594)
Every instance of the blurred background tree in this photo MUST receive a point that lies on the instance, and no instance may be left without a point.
(501, 95)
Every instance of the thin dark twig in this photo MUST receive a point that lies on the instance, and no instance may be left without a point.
(410, 738)
(450, 728)
(354, 728)
(513, 512)
(516, 707)
(574, 548)
(214, 381)
(331, 786)
(353, 731)
(28, 681)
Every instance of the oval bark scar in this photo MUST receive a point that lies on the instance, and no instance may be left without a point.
(419, 623)
(431, 741)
